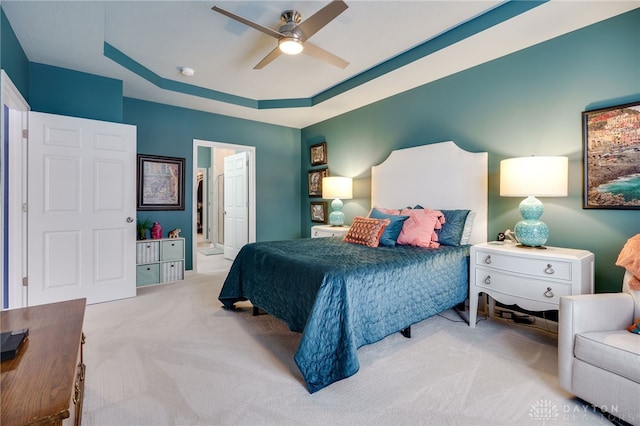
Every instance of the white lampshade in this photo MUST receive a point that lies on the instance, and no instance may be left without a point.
(539, 176)
(337, 187)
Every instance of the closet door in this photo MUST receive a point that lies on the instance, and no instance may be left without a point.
(82, 209)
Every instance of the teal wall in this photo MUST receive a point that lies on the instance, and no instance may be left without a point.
(76, 94)
(204, 157)
(529, 102)
(12, 58)
(167, 130)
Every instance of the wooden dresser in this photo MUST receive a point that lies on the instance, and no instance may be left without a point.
(44, 384)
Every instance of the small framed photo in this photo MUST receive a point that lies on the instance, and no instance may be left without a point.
(160, 183)
(315, 181)
(612, 157)
(319, 154)
(319, 211)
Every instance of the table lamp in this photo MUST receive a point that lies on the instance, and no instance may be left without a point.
(337, 188)
(530, 177)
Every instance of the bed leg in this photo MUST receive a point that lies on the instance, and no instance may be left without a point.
(406, 332)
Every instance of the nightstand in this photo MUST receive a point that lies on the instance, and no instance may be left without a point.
(320, 231)
(531, 278)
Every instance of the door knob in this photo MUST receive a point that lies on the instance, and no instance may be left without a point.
(129, 219)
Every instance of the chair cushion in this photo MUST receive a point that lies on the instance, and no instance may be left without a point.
(614, 351)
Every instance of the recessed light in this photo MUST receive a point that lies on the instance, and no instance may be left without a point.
(186, 71)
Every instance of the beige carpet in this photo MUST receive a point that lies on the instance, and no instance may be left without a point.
(172, 356)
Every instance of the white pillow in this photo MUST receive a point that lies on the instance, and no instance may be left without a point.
(468, 227)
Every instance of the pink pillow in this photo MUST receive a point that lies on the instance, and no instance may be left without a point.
(418, 230)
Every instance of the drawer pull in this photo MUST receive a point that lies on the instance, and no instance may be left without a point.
(487, 259)
(549, 270)
(487, 280)
(548, 293)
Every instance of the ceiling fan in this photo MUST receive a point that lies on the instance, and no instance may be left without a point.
(293, 35)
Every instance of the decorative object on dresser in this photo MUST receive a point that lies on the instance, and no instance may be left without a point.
(156, 231)
(160, 183)
(321, 231)
(318, 154)
(159, 261)
(44, 383)
(530, 177)
(611, 150)
(337, 188)
(143, 225)
(533, 280)
(175, 233)
(319, 211)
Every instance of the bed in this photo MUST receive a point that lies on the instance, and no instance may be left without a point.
(342, 296)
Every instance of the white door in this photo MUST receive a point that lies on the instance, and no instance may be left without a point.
(236, 203)
(82, 209)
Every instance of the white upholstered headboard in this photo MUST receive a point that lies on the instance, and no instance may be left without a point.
(436, 176)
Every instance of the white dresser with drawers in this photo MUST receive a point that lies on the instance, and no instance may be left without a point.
(532, 278)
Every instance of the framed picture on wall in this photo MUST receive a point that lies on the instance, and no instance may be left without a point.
(612, 157)
(315, 181)
(318, 154)
(319, 211)
(160, 183)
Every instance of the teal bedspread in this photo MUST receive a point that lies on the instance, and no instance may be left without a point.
(342, 296)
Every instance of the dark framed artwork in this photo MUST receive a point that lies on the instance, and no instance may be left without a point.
(318, 154)
(319, 211)
(612, 157)
(315, 181)
(160, 183)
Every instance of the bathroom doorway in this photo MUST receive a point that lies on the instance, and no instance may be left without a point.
(215, 232)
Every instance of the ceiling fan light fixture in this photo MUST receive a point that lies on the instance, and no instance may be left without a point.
(290, 45)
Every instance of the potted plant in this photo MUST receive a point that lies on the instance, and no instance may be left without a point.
(143, 226)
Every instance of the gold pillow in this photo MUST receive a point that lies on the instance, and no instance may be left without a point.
(366, 231)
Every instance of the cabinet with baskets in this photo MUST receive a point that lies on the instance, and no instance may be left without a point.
(159, 261)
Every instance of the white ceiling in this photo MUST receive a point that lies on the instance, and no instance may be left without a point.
(165, 35)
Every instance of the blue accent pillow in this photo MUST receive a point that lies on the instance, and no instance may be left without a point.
(392, 231)
(453, 227)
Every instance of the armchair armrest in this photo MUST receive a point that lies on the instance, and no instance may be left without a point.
(588, 312)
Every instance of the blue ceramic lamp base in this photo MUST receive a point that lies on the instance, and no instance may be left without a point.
(531, 232)
(336, 217)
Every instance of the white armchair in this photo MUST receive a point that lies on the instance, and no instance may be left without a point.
(598, 359)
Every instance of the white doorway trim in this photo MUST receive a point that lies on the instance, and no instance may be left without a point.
(13, 247)
(252, 191)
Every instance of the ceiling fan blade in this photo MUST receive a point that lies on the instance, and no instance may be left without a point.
(315, 22)
(267, 31)
(268, 59)
(319, 53)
